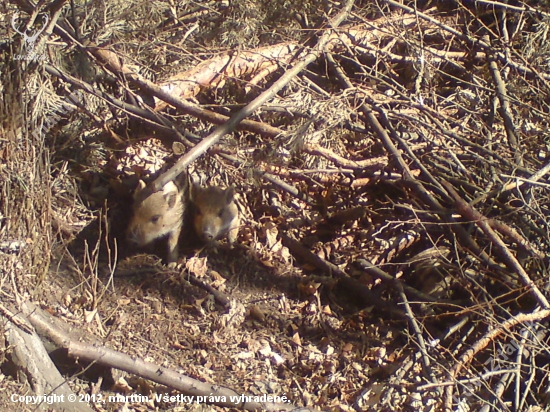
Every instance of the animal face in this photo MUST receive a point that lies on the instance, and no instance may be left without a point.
(156, 215)
(215, 213)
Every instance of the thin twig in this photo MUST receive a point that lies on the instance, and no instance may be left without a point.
(489, 336)
(470, 213)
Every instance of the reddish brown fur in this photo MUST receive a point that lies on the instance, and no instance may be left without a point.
(215, 214)
(157, 215)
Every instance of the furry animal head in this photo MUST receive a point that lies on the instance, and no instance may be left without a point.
(156, 214)
(215, 213)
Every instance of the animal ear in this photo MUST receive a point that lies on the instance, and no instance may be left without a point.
(141, 185)
(229, 194)
(170, 192)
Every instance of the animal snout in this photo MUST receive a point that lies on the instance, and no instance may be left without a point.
(134, 235)
(209, 233)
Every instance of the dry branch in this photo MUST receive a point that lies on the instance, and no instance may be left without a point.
(112, 62)
(117, 67)
(56, 332)
(170, 378)
(474, 41)
(534, 178)
(422, 192)
(267, 95)
(505, 110)
(375, 163)
(215, 71)
(470, 213)
(482, 343)
(302, 253)
(34, 362)
(396, 283)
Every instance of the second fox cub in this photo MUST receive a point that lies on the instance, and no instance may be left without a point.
(214, 213)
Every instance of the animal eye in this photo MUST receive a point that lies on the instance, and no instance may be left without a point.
(220, 213)
(155, 219)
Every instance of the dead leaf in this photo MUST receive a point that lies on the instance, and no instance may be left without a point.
(296, 339)
(89, 315)
(197, 266)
